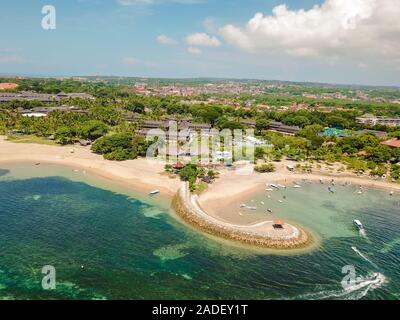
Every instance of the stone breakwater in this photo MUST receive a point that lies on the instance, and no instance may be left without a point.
(261, 234)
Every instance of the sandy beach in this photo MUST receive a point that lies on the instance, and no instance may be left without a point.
(144, 175)
(140, 173)
(230, 187)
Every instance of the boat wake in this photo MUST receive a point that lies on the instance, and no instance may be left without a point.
(356, 291)
(363, 234)
(363, 256)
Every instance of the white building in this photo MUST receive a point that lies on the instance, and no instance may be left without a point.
(373, 120)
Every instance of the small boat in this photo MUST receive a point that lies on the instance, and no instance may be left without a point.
(280, 201)
(251, 208)
(262, 202)
(281, 186)
(269, 210)
(391, 193)
(269, 189)
(243, 205)
(274, 186)
(360, 192)
(296, 186)
(240, 214)
(152, 193)
(358, 224)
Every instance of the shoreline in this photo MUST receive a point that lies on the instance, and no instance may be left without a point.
(262, 235)
(231, 188)
(141, 176)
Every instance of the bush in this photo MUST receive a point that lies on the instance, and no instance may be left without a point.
(92, 129)
(379, 172)
(110, 143)
(269, 167)
(118, 146)
(188, 172)
(259, 153)
(65, 135)
(120, 155)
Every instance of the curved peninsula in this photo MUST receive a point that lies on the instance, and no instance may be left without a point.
(266, 234)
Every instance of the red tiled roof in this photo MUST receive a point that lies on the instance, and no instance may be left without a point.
(8, 86)
(394, 143)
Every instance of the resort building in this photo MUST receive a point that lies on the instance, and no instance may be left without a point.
(374, 120)
(42, 97)
(8, 97)
(393, 143)
(8, 86)
(248, 123)
(200, 126)
(379, 134)
(45, 111)
(280, 127)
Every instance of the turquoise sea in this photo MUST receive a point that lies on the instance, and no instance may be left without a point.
(108, 245)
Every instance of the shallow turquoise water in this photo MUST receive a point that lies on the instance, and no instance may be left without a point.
(134, 250)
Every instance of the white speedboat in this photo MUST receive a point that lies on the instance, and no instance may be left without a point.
(358, 224)
(296, 186)
(153, 193)
(251, 208)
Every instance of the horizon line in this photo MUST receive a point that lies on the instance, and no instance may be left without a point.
(393, 86)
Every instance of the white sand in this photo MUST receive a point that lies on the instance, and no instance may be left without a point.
(140, 173)
(230, 187)
(147, 175)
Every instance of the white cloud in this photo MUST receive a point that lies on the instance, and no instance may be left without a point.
(210, 25)
(335, 29)
(202, 39)
(163, 39)
(9, 59)
(130, 61)
(193, 50)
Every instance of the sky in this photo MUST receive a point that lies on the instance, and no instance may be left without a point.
(331, 41)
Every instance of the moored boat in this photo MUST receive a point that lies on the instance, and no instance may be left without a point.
(358, 224)
(152, 193)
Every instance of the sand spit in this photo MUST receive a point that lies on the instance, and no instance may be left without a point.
(261, 234)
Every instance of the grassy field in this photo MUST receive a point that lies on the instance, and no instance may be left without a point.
(30, 139)
(202, 186)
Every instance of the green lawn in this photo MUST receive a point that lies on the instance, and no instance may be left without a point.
(30, 139)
